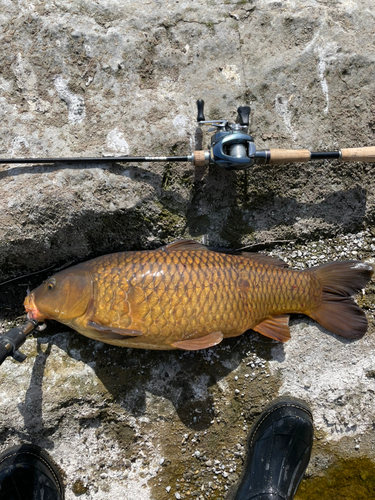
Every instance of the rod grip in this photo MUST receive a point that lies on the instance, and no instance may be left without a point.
(200, 158)
(359, 154)
(278, 156)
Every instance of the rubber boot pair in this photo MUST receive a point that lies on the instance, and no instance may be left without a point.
(279, 452)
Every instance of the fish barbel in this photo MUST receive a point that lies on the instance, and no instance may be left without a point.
(185, 296)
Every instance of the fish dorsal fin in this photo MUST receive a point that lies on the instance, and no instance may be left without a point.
(275, 327)
(209, 340)
(265, 259)
(184, 245)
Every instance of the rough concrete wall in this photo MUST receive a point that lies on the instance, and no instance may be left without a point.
(109, 78)
(112, 77)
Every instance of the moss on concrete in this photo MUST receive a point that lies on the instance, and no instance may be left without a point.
(351, 479)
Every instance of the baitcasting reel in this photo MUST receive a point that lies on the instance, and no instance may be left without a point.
(231, 148)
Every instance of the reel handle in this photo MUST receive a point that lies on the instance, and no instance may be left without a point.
(200, 105)
(244, 115)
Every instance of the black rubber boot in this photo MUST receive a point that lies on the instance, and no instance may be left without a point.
(279, 452)
(27, 472)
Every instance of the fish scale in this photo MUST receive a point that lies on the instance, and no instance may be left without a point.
(186, 296)
(160, 311)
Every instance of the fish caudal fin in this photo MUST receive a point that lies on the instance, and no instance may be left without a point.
(338, 312)
(341, 315)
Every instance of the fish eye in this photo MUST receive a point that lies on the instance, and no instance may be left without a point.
(51, 284)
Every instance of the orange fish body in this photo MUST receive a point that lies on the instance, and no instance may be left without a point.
(186, 296)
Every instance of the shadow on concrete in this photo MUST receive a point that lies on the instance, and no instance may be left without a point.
(184, 378)
(243, 214)
(113, 167)
(31, 408)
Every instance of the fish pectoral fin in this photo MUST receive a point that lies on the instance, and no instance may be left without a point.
(275, 327)
(202, 343)
(109, 329)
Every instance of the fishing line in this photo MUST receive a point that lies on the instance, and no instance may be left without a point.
(27, 275)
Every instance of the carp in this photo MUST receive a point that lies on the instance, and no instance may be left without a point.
(185, 296)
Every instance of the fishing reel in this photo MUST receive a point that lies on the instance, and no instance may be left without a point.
(231, 147)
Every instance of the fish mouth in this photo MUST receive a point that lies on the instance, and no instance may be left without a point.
(31, 309)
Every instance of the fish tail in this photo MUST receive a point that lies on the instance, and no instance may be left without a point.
(337, 311)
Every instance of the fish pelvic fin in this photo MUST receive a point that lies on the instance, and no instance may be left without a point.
(209, 340)
(275, 327)
(337, 311)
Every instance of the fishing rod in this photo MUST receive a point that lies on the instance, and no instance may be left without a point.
(231, 148)
(11, 341)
